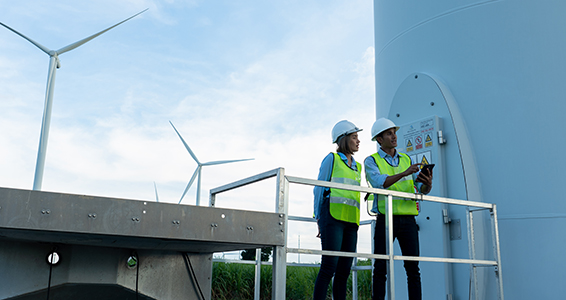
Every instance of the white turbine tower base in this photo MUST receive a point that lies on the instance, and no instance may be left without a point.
(199, 167)
(54, 64)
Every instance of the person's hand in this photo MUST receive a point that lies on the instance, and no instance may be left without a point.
(412, 169)
(318, 226)
(425, 177)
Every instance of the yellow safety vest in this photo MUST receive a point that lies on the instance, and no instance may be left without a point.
(401, 206)
(344, 204)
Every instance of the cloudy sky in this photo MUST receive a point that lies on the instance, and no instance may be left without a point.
(239, 79)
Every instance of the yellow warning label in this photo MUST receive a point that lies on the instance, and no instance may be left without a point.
(409, 149)
(409, 144)
(424, 160)
(428, 141)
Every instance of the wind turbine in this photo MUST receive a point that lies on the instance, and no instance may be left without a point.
(156, 195)
(199, 167)
(54, 64)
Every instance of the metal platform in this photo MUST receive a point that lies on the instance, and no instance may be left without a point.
(95, 236)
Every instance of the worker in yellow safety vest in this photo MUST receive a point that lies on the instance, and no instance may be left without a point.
(390, 169)
(337, 211)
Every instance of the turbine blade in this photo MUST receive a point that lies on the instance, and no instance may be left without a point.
(83, 41)
(156, 195)
(38, 45)
(190, 183)
(218, 162)
(186, 146)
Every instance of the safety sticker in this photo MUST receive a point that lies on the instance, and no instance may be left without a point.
(419, 142)
(424, 158)
(409, 146)
(428, 140)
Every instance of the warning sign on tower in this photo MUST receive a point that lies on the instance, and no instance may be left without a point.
(428, 140)
(418, 138)
(424, 161)
(409, 146)
(424, 158)
(419, 142)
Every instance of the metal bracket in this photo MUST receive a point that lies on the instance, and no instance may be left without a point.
(441, 139)
(447, 219)
(455, 230)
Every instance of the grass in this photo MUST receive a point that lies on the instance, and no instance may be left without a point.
(236, 282)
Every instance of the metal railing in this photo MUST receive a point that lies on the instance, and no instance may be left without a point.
(280, 252)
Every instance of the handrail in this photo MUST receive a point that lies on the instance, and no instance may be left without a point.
(395, 257)
(282, 207)
(241, 183)
(343, 186)
(312, 220)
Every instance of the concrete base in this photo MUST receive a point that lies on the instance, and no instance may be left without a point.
(94, 237)
(86, 272)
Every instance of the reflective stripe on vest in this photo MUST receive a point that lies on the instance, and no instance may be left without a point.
(344, 204)
(405, 184)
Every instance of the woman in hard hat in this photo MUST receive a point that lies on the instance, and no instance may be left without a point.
(338, 211)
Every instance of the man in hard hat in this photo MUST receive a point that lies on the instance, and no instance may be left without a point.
(390, 169)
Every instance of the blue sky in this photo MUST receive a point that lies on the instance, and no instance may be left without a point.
(239, 79)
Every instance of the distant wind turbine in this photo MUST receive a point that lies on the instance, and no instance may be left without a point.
(199, 167)
(54, 64)
(156, 195)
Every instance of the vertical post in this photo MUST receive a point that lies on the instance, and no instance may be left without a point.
(299, 254)
(447, 250)
(257, 274)
(355, 279)
(472, 253)
(496, 251)
(372, 250)
(389, 247)
(212, 201)
(280, 253)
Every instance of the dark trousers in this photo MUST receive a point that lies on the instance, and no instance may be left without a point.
(405, 230)
(335, 236)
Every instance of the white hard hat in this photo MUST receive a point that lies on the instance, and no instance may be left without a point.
(343, 128)
(380, 126)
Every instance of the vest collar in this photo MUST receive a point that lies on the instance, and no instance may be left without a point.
(384, 155)
(354, 165)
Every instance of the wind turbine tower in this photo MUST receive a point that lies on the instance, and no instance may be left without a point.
(54, 64)
(199, 167)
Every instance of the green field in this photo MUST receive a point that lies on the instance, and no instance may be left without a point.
(236, 281)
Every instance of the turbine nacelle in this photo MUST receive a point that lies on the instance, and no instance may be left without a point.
(53, 54)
